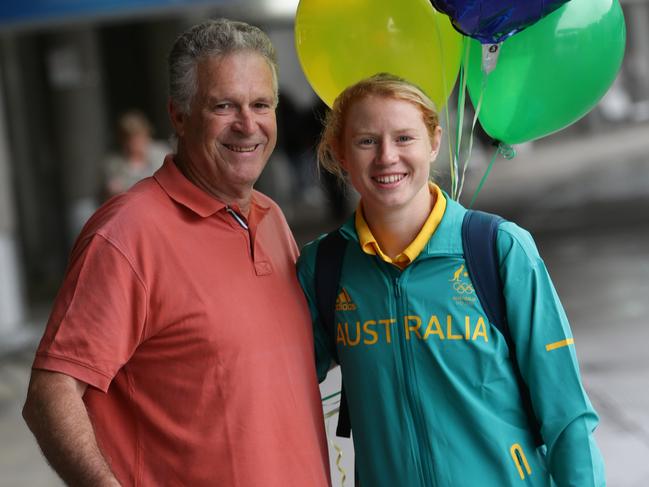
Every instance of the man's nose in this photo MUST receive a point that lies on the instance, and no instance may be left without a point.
(245, 122)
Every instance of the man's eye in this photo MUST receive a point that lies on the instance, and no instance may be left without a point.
(366, 141)
(222, 107)
(404, 138)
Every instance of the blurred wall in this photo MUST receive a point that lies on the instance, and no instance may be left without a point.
(11, 296)
(64, 86)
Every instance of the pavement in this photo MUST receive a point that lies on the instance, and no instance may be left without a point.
(586, 200)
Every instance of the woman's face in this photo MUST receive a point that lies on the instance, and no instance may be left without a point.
(387, 151)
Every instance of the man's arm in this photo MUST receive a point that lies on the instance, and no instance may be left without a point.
(57, 416)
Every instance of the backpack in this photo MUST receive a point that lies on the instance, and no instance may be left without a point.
(479, 231)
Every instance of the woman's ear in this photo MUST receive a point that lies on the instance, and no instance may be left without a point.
(338, 155)
(343, 164)
(435, 142)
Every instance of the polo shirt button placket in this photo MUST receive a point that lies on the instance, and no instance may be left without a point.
(263, 267)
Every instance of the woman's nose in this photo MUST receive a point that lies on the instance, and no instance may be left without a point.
(388, 153)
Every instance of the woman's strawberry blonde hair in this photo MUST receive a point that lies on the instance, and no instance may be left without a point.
(383, 85)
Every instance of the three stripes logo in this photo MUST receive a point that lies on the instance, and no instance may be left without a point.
(344, 302)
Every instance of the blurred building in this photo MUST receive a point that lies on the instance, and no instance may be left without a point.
(67, 70)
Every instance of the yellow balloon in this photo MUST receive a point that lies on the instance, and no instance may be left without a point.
(340, 42)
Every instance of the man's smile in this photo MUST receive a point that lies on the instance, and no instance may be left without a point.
(241, 148)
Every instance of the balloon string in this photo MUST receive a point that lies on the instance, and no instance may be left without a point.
(339, 451)
(457, 180)
(445, 87)
(484, 178)
(326, 398)
(459, 111)
(461, 101)
(450, 148)
(508, 152)
(471, 137)
(458, 133)
(339, 467)
(458, 124)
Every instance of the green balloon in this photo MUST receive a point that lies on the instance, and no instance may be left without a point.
(551, 74)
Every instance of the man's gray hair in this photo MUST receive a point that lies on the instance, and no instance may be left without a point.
(212, 38)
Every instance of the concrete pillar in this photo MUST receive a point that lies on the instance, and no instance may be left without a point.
(159, 39)
(74, 75)
(12, 312)
(636, 15)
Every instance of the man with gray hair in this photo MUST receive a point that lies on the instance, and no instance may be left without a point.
(179, 348)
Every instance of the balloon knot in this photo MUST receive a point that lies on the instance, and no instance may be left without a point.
(506, 150)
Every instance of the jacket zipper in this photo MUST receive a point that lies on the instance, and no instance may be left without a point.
(424, 460)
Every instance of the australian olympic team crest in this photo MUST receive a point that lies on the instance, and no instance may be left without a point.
(462, 286)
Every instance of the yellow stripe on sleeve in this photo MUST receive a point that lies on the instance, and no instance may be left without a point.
(563, 343)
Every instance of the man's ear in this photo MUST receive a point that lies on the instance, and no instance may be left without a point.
(176, 117)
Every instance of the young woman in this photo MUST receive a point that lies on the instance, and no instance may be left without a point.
(432, 391)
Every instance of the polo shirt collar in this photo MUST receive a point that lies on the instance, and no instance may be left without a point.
(183, 191)
(446, 238)
(410, 253)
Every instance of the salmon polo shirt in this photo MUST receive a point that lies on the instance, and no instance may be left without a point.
(195, 339)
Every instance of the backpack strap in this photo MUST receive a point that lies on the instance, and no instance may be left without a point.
(479, 233)
(328, 267)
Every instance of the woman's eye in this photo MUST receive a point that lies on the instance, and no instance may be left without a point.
(404, 138)
(366, 141)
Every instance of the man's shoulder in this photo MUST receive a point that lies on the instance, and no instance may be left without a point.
(142, 200)
(131, 212)
(267, 204)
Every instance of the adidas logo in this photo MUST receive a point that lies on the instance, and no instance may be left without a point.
(344, 302)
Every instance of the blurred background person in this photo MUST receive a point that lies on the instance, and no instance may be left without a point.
(139, 155)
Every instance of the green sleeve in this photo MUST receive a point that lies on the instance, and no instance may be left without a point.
(547, 359)
(575, 458)
(306, 272)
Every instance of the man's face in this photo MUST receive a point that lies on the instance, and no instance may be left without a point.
(230, 132)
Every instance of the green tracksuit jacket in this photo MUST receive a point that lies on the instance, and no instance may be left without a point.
(432, 397)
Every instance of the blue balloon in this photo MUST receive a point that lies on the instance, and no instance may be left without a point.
(493, 21)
